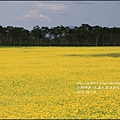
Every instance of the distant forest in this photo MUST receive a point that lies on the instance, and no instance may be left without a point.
(85, 35)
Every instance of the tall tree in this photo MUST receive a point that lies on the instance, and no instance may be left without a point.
(36, 35)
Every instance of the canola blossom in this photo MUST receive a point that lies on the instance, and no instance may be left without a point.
(59, 82)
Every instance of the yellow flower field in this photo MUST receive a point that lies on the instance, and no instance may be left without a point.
(60, 82)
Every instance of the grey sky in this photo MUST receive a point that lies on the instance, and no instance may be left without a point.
(29, 14)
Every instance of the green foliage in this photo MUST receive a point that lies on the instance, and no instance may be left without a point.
(84, 35)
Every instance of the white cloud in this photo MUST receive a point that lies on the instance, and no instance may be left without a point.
(84, 2)
(34, 14)
(52, 6)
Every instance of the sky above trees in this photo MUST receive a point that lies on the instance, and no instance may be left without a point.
(28, 14)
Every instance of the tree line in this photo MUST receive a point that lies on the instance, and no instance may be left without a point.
(84, 35)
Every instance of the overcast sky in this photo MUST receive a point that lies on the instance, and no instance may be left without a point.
(72, 13)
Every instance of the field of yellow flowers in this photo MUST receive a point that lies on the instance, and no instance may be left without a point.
(59, 82)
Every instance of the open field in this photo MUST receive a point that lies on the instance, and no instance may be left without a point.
(60, 82)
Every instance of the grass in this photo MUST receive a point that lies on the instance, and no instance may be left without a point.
(45, 82)
(114, 55)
